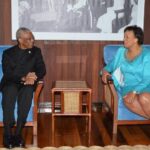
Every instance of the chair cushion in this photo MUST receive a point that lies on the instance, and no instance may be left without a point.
(124, 113)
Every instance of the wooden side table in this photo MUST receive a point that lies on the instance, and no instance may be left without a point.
(72, 102)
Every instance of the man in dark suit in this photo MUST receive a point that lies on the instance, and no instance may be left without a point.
(22, 66)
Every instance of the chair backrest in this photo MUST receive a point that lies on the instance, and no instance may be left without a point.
(30, 116)
(110, 51)
(2, 48)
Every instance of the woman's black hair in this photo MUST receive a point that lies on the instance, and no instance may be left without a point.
(138, 32)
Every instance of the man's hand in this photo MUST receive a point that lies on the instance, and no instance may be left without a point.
(31, 75)
(105, 75)
(30, 78)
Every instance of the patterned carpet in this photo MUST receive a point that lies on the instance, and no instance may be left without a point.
(109, 147)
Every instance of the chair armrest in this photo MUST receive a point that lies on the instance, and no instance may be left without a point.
(38, 90)
(109, 80)
(110, 95)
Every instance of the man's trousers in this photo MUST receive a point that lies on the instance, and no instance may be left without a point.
(12, 93)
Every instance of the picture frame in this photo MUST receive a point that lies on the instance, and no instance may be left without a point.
(94, 20)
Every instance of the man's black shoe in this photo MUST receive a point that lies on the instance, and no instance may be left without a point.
(8, 141)
(19, 142)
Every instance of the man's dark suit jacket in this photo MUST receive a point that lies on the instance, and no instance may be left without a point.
(17, 63)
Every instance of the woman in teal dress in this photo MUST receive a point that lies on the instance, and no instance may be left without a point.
(130, 72)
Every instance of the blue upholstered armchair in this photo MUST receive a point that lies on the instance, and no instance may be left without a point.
(32, 117)
(112, 99)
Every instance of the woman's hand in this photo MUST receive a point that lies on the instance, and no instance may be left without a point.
(130, 97)
(105, 75)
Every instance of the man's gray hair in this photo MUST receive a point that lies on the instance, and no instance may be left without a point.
(21, 30)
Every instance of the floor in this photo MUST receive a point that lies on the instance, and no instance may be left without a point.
(71, 131)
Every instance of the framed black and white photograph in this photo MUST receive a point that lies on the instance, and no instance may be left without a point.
(77, 19)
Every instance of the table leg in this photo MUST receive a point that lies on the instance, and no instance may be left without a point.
(53, 130)
(89, 131)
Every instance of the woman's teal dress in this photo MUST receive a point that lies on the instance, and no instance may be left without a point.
(136, 73)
